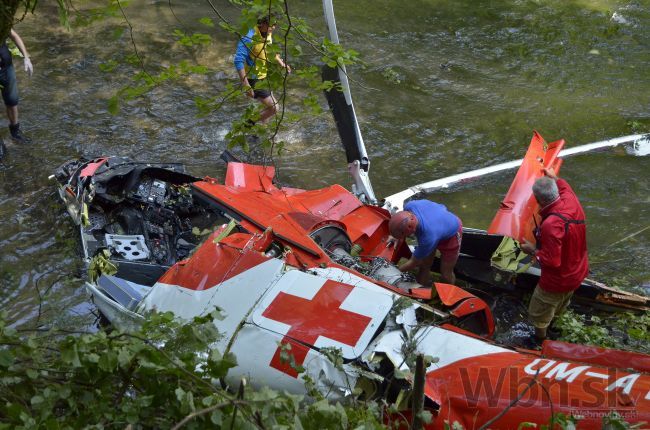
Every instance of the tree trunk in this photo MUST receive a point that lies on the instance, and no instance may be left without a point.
(8, 10)
(418, 393)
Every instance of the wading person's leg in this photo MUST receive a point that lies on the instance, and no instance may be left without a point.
(271, 108)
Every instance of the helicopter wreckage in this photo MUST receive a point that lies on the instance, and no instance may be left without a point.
(307, 272)
(302, 273)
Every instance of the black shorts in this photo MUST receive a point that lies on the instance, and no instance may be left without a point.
(9, 86)
(259, 93)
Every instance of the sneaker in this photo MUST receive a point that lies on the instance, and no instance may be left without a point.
(17, 134)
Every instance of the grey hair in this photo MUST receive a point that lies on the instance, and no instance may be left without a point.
(545, 190)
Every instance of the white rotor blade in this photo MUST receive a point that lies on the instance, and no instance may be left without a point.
(395, 202)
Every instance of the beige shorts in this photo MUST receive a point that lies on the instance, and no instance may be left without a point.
(544, 306)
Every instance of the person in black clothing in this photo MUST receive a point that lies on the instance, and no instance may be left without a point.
(9, 85)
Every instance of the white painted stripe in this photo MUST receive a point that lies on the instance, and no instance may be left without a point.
(236, 296)
(447, 346)
(450, 347)
(597, 375)
(254, 349)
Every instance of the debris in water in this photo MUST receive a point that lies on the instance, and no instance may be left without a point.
(618, 18)
(641, 147)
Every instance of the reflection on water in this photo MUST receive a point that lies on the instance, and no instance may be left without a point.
(448, 86)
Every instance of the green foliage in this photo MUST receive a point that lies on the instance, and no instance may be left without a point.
(145, 82)
(562, 421)
(101, 264)
(335, 355)
(614, 421)
(639, 126)
(392, 76)
(636, 326)
(294, 40)
(207, 22)
(15, 52)
(577, 328)
(453, 426)
(64, 17)
(108, 66)
(117, 33)
(335, 55)
(611, 30)
(95, 379)
(192, 39)
(111, 9)
(163, 375)
(626, 331)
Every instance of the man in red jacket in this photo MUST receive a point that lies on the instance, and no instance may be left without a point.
(561, 250)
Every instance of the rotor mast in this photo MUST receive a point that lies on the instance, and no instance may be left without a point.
(346, 119)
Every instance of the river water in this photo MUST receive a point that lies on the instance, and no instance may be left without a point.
(447, 86)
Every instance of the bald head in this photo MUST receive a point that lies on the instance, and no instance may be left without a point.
(545, 190)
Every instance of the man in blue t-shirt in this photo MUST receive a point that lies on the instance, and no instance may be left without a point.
(434, 228)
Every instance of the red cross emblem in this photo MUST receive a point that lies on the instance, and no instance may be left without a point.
(309, 319)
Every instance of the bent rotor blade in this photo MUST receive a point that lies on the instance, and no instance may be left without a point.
(396, 201)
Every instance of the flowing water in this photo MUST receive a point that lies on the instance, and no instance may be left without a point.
(447, 86)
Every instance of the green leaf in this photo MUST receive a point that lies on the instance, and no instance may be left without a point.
(113, 109)
(108, 66)
(108, 361)
(426, 417)
(124, 358)
(92, 357)
(525, 425)
(146, 363)
(69, 353)
(207, 21)
(117, 33)
(216, 417)
(65, 392)
(218, 366)
(6, 358)
(180, 394)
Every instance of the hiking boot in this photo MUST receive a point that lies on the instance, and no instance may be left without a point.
(553, 333)
(17, 134)
(533, 342)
